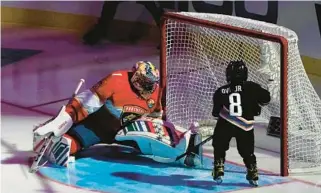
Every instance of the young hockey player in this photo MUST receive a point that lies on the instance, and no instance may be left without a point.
(235, 105)
(96, 116)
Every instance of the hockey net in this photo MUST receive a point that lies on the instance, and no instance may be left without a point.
(196, 48)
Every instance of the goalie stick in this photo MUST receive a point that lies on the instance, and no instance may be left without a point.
(35, 164)
(193, 148)
(170, 160)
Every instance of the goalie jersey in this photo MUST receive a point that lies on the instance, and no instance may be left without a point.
(239, 103)
(115, 97)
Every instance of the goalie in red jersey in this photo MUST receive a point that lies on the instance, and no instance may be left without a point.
(122, 108)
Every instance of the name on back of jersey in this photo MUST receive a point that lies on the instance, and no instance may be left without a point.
(238, 88)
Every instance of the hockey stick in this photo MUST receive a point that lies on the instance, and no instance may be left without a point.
(171, 160)
(201, 123)
(195, 147)
(35, 164)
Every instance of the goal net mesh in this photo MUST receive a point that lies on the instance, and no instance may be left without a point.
(196, 59)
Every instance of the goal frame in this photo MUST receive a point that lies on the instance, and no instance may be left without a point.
(245, 32)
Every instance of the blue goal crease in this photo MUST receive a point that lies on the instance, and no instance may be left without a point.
(125, 173)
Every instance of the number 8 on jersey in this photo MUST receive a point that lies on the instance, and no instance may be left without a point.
(235, 107)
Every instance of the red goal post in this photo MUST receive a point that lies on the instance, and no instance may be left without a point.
(171, 16)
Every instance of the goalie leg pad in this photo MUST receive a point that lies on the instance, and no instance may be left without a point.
(154, 139)
(59, 151)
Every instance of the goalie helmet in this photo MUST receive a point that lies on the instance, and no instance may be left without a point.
(236, 71)
(145, 76)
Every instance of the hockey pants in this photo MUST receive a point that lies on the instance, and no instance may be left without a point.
(224, 131)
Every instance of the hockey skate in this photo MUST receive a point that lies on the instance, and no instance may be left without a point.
(218, 171)
(252, 175)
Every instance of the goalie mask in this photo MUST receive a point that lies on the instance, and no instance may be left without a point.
(236, 72)
(145, 77)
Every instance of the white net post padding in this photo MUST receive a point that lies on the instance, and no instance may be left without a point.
(196, 57)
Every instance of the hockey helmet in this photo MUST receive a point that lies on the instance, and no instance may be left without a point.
(236, 71)
(145, 76)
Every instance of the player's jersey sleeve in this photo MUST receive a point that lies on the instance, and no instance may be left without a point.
(263, 95)
(90, 100)
(217, 103)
